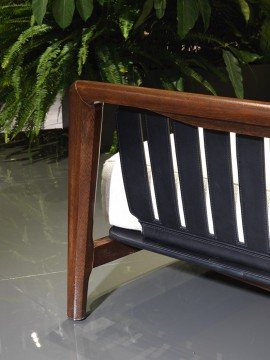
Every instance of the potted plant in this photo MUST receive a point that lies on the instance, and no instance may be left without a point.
(46, 45)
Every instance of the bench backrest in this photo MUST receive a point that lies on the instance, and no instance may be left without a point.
(135, 126)
(222, 249)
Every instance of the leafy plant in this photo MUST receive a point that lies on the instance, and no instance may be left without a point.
(48, 44)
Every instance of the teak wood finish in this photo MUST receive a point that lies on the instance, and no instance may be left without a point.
(86, 99)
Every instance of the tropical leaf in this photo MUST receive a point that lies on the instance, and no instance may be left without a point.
(265, 36)
(160, 7)
(244, 56)
(85, 8)
(187, 15)
(63, 11)
(205, 10)
(244, 9)
(179, 84)
(212, 68)
(147, 8)
(234, 72)
(199, 78)
(167, 84)
(39, 9)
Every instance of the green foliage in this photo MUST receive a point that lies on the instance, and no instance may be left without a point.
(234, 71)
(115, 145)
(17, 49)
(187, 15)
(245, 57)
(110, 65)
(205, 10)
(265, 35)
(127, 18)
(46, 45)
(244, 6)
(39, 9)
(85, 8)
(146, 10)
(63, 11)
(87, 35)
(160, 7)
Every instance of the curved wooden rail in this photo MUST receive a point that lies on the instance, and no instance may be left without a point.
(213, 112)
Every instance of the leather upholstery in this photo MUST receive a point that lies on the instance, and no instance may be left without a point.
(222, 251)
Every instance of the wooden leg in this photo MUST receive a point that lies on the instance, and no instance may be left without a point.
(84, 144)
(83, 252)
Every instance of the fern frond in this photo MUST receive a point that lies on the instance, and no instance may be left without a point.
(50, 81)
(26, 36)
(45, 64)
(16, 82)
(111, 69)
(8, 112)
(14, 10)
(24, 114)
(87, 35)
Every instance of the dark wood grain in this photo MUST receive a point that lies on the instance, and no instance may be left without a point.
(84, 140)
(106, 250)
(83, 252)
(213, 112)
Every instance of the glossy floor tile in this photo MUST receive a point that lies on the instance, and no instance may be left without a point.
(144, 306)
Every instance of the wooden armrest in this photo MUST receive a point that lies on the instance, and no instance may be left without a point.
(213, 112)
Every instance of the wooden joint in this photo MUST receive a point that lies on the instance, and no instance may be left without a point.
(106, 250)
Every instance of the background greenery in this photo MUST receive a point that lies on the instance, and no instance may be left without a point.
(47, 44)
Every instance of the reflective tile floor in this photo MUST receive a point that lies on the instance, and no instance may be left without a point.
(144, 306)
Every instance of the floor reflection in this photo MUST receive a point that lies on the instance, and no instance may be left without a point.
(144, 306)
(173, 313)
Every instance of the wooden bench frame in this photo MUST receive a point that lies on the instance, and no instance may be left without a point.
(86, 99)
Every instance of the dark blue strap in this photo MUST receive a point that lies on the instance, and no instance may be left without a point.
(219, 169)
(158, 135)
(191, 179)
(250, 155)
(134, 165)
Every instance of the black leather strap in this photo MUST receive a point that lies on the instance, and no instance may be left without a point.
(228, 267)
(162, 169)
(222, 252)
(219, 169)
(133, 164)
(250, 155)
(190, 174)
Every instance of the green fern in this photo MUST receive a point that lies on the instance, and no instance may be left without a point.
(87, 35)
(26, 36)
(48, 83)
(111, 69)
(123, 42)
